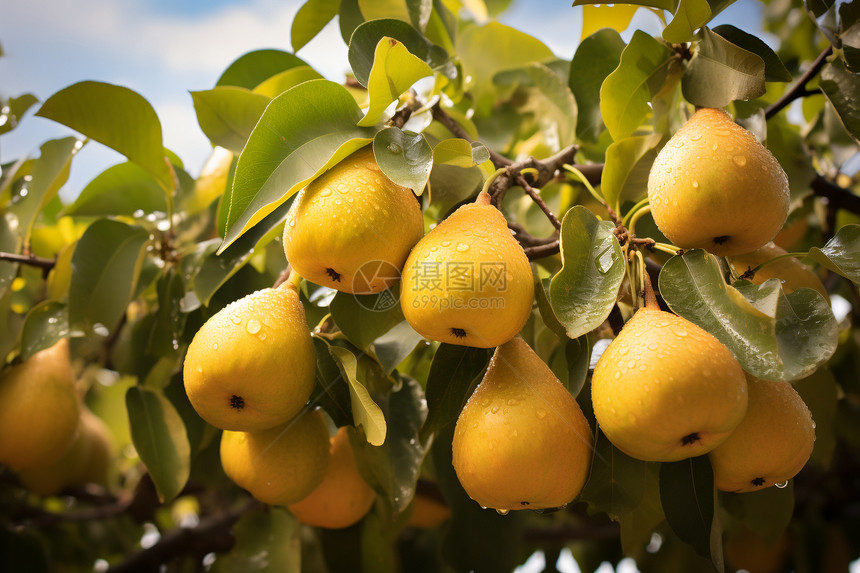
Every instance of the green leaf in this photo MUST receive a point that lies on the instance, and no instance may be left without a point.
(349, 18)
(419, 12)
(395, 465)
(841, 88)
(393, 72)
(281, 82)
(690, 16)
(545, 309)
(689, 501)
(252, 68)
(14, 109)
(721, 72)
(364, 318)
(332, 390)
(616, 482)
(311, 18)
(268, 540)
(625, 93)
(638, 524)
(228, 114)
(460, 153)
(367, 36)
(806, 332)
(122, 189)
(557, 110)
(454, 374)
(774, 69)
(9, 243)
(379, 9)
(577, 354)
(114, 116)
(584, 291)
(768, 512)
(160, 439)
(595, 58)
(668, 5)
(395, 345)
(511, 49)
(48, 174)
(164, 341)
(45, 325)
(303, 132)
(405, 157)
(628, 164)
(105, 267)
(366, 413)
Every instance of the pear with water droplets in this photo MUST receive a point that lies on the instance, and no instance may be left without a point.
(666, 390)
(468, 281)
(252, 365)
(352, 227)
(713, 186)
(521, 441)
(771, 444)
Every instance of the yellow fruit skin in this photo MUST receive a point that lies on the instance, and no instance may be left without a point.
(39, 409)
(471, 308)
(715, 187)
(521, 441)
(791, 272)
(427, 513)
(349, 217)
(343, 497)
(281, 465)
(252, 365)
(666, 390)
(86, 461)
(771, 444)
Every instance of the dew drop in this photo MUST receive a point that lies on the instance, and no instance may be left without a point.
(462, 247)
(235, 319)
(512, 401)
(503, 511)
(668, 170)
(679, 332)
(200, 370)
(253, 326)
(495, 409)
(394, 148)
(782, 485)
(342, 188)
(215, 346)
(695, 184)
(446, 243)
(541, 414)
(739, 160)
(362, 180)
(325, 192)
(696, 137)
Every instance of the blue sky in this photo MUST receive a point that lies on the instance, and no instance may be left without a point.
(165, 48)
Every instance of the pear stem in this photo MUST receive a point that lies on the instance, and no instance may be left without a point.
(751, 273)
(289, 279)
(649, 294)
(631, 226)
(484, 197)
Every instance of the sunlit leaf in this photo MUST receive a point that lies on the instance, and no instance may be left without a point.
(249, 70)
(117, 117)
(393, 72)
(596, 17)
(628, 164)
(364, 41)
(721, 72)
(303, 132)
(405, 157)
(228, 114)
(625, 93)
(419, 12)
(160, 439)
(13, 110)
(774, 69)
(309, 21)
(105, 268)
(584, 291)
(459, 152)
(595, 58)
(121, 189)
(366, 413)
(689, 17)
(281, 82)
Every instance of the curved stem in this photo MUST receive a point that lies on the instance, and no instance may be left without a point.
(752, 273)
(579, 175)
(666, 248)
(631, 226)
(625, 220)
(650, 295)
(492, 178)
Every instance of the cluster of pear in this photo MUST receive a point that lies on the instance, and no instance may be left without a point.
(249, 371)
(466, 282)
(665, 389)
(46, 434)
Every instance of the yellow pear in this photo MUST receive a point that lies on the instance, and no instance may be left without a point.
(352, 227)
(713, 186)
(791, 272)
(87, 460)
(521, 441)
(771, 444)
(39, 409)
(281, 465)
(343, 497)
(468, 281)
(666, 390)
(252, 365)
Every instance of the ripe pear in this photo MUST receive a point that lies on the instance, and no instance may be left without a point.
(790, 271)
(343, 497)
(715, 187)
(771, 444)
(521, 441)
(86, 461)
(468, 281)
(252, 365)
(352, 227)
(280, 465)
(666, 390)
(39, 409)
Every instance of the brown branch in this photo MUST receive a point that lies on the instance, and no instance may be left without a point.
(525, 239)
(213, 534)
(451, 124)
(30, 260)
(542, 251)
(799, 90)
(837, 196)
(531, 192)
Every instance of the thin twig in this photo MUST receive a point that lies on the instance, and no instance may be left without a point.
(837, 196)
(454, 127)
(532, 192)
(799, 90)
(30, 260)
(542, 251)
